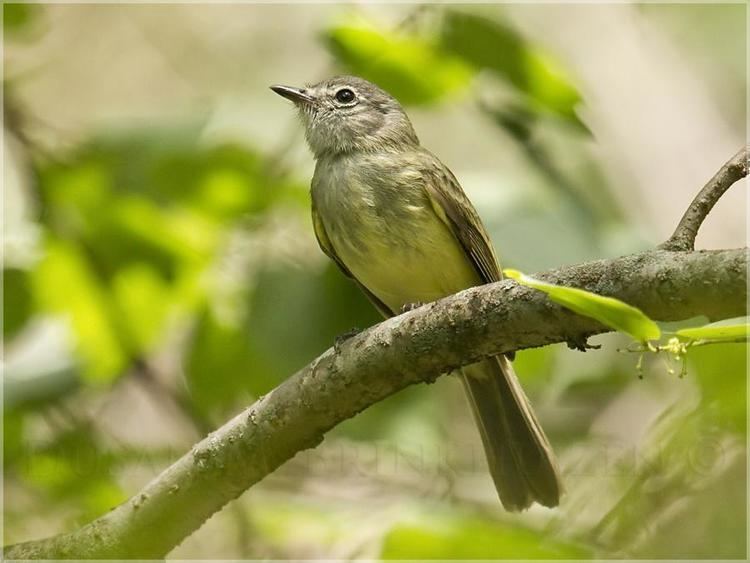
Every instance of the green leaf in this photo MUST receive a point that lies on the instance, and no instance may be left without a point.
(74, 470)
(226, 192)
(720, 369)
(143, 301)
(607, 310)
(221, 364)
(49, 472)
(492, 45)
(717, 332)
(331, 299)
(412, 69)
(65, 284)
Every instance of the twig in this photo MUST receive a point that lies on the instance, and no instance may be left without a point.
(684, 235)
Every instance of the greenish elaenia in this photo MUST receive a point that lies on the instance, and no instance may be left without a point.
(396, 221)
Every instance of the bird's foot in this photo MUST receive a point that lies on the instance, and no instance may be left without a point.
(406, 307)
(341, 338)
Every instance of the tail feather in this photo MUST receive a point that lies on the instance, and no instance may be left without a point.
(519, 455)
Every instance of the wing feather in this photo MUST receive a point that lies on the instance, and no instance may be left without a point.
(454, 208)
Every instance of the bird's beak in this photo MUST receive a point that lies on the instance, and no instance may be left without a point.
(297, 95)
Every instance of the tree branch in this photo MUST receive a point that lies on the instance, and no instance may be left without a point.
(411, 348)
(684, 235)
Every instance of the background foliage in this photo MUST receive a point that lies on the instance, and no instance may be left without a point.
(160, 272)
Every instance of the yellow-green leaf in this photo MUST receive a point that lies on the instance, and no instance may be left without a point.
(717, 333)
(607, 310)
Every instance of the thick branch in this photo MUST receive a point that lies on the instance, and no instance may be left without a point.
(684, 235)
(412, 348)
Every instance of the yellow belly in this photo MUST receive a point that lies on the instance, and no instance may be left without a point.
(417, 261)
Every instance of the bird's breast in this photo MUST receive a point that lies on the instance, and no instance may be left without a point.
(389, 237)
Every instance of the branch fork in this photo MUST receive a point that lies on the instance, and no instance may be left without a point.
(735, 169)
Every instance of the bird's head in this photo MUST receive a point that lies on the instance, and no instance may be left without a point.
(345, 114)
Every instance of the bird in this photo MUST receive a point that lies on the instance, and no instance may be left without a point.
(396, 221)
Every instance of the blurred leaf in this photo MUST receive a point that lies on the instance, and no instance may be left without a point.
(76, 196)
(225, 191)
(412, 416)
(64, 284)
(486, 44)
(178, 234)
(549, 87)
(13, 436)
(517, 120)
(607, 310)
(721, 370)
(17, 301)
(17, 17)
(143, 301)
(703, 534)
(168, 166)
(412, 69)
(73, 468)
(49, 472)
(156, 197)
(135, 219)
(682, 453)
(224, 181)
(100, 496)
(536, 365)
(716, 333)
(322, 305)
(221, 364)
(293, 521)
(472, 538)
(490, 44)
(231, 359)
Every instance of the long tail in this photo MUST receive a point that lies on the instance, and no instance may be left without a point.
(520, 458)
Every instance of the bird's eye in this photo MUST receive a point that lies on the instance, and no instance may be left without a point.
(345, 96)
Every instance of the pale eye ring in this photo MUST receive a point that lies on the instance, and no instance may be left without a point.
(345, 96)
